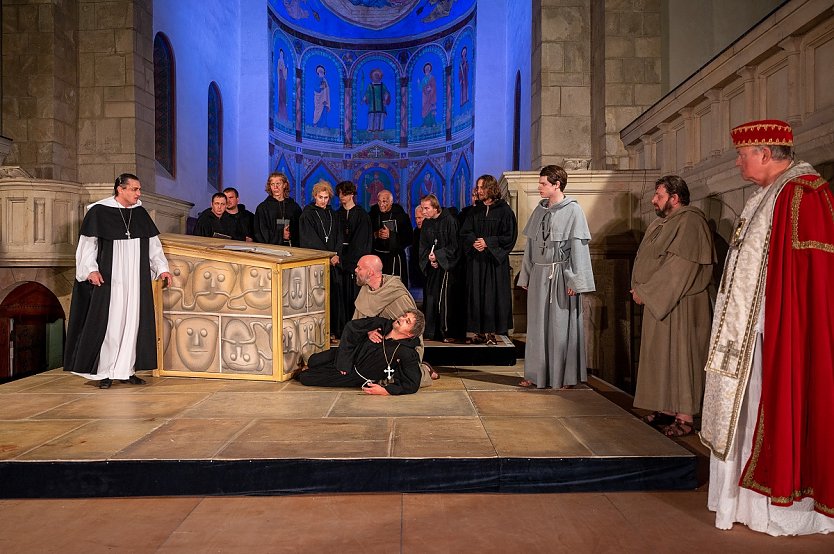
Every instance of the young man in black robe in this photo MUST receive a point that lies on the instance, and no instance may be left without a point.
(118, 255)
(277, 217)
(392, 235)
(244, 219)
(215, 222)
(375, 353)
(355, 236)
(439, 253)
(488, 235)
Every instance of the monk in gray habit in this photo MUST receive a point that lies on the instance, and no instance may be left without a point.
(671, 278)
(555, 270)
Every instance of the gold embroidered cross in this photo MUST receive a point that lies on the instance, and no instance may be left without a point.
(729, 352)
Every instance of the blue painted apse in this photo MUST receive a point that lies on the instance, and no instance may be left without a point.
(394, 114)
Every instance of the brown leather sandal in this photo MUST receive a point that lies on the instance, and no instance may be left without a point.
(679, 428)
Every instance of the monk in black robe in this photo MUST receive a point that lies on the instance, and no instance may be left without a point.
(276, 218)
(318, 228)
(439, 252)
(392, 235)
(215, 222)
(375, 353)
(488, 235)
(355, 236)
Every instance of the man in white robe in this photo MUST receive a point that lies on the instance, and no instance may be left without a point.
(112, 330)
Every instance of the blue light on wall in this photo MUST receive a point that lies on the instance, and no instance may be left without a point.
(396, 113)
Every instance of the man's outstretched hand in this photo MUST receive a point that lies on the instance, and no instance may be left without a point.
(373, 388)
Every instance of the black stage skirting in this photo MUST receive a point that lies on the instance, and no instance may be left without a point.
(87, 479)
(503, 354)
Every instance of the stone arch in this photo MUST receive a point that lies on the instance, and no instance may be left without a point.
(31, 330)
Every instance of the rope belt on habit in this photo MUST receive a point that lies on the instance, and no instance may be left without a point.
(552, 273)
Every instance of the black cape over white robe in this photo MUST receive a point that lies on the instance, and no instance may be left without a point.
(112, 329)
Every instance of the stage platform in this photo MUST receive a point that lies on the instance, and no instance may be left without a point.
(458, 354)
(474, 430)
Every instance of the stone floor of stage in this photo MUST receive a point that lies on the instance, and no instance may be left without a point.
(469, 414)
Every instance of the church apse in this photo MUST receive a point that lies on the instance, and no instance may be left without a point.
(380, 93)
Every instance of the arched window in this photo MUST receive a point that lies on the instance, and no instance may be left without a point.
(164, 107)
(215, 137)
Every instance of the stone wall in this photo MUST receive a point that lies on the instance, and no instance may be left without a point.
(631, 73)
(40, 101)
(561, 82)
(595, 67)
(115, 88)
(780, 69)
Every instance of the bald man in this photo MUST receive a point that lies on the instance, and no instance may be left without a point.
(392, 235)
(382, 295)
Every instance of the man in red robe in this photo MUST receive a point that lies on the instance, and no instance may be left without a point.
(769, 398)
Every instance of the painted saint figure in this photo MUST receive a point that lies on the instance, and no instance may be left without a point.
(377, 98)
(282, 86)
(428, 86)
(321, 99)
(463, 77)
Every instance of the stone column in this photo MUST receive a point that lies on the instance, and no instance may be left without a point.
(627, 50)
(299, 122)
(561, 81)
(748, 75)
(791, 46)
(404, 112)
(116, 96)
(716, 128)
(688, 115)
(348, 125)
(40, 95)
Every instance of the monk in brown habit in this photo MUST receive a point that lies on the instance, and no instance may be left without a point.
(671, 278)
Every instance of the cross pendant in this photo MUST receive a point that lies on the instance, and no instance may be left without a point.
(389, 372)
(127, 234)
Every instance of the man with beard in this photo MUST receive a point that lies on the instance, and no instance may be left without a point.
(385, 296)
(276, 218)
(112, 330)
(375, 353)
(392, 234)
(439, 254)
(244, 219)
(488, 235)
(671, 278)
(215, 222)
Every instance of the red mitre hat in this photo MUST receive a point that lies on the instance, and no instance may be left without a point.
(765, 132)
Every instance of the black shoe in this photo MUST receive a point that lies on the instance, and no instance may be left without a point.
(135, 380)
(105, 383)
